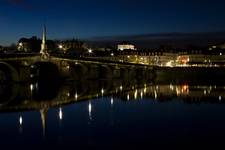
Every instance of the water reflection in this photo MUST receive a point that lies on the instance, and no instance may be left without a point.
(21, 120)
(77, 107)
(60, 114)
(112, 100)
(38, 96)
(89, 110)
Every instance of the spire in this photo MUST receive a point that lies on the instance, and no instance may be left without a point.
(43, 51)
(44, 35)
(43, 44)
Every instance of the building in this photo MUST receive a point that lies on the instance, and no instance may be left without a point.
(32, 44)
(217, 46)
(222, 46)
(125, 46)
(71, 45)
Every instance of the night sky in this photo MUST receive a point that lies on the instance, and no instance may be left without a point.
(93, 18)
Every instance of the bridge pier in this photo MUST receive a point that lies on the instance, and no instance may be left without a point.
(24, 73)
(116, 73)
(132, 73)
(124, 73)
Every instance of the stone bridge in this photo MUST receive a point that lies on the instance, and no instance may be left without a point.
(22, 69)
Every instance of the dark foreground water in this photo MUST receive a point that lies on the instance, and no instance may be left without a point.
(117, 116)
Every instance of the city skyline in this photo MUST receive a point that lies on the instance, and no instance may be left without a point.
(87, 19)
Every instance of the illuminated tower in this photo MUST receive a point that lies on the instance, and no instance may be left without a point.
(43, 51)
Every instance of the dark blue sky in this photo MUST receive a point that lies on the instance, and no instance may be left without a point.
(90, 18)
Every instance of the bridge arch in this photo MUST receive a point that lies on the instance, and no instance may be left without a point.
(45, 71)
(105, 72)
(8, 73)
(78, 71)
(8, 93)
(124, 73)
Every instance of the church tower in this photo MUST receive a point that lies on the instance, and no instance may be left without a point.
(43, 44)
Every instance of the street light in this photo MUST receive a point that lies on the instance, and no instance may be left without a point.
(90, 51)
(20, 46)
(60, 46)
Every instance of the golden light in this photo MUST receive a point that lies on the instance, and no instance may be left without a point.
(177, 91)
(135, 94)
(76, 96)
(121, 88)
(128, 97)
(185, 89)
(145, 90)
(205, 92)
(141, 95)
(90, 51)
(60, 46)
(155, 94)
(169, 64)
(102, 91)
(31, 87)
(183, 59)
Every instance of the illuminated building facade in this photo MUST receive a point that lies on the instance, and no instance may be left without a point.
(125, 46)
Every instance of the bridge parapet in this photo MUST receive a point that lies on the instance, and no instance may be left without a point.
(79, 68)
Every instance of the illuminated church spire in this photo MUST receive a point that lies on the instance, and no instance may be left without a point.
(43, 51)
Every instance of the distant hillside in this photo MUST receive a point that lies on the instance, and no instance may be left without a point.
(177, 40)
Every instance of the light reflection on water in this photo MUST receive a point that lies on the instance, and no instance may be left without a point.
(117, 115)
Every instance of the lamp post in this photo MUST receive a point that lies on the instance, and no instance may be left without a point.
(20, 46)
(90, 52)
(62, 48)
